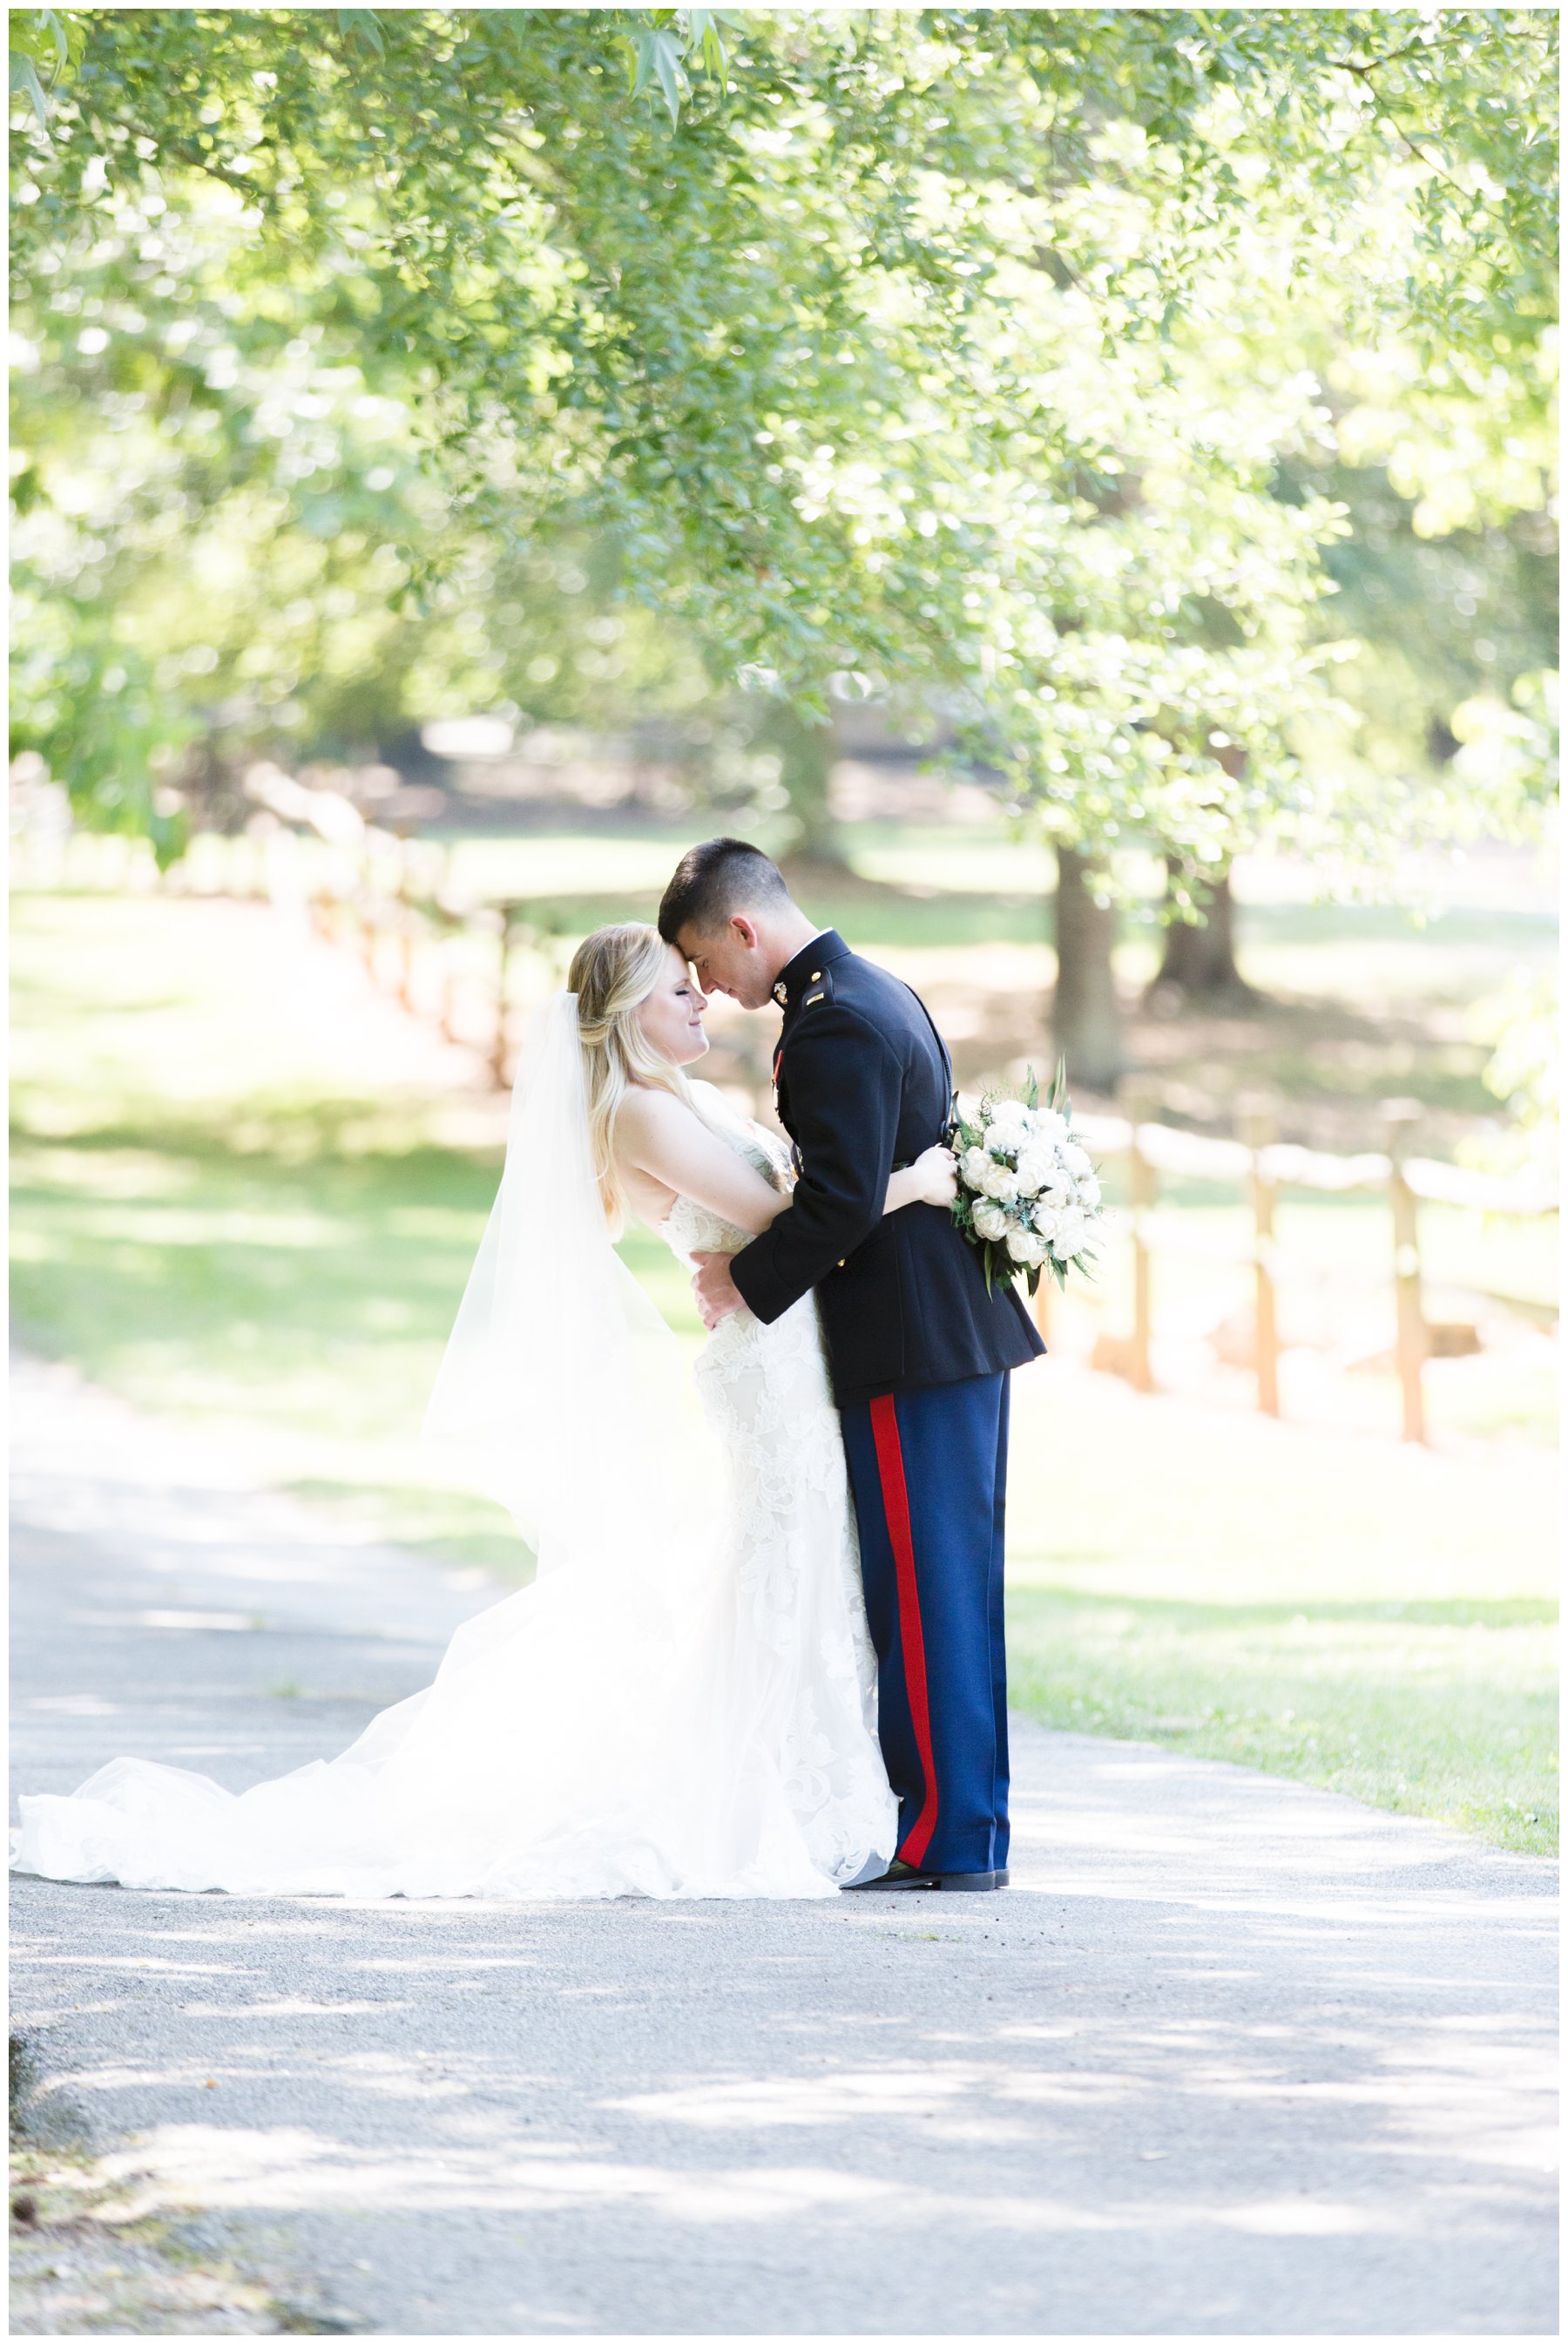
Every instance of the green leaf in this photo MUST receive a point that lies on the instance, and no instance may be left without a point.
(31, 31)
(658, 59)
(703, 27)
(25, 79)
(359, 24)
(666, 66)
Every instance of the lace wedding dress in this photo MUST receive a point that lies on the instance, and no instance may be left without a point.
(681, 1705)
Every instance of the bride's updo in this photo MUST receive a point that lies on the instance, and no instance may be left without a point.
(613, 972)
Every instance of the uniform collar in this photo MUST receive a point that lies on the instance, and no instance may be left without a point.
(808, 964)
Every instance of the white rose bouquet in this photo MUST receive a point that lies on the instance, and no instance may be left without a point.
(1029, 1198)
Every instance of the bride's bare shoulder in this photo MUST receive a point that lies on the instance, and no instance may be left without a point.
(644, 1112)
(642, 1103)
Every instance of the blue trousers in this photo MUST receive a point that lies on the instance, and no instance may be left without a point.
(929, 1470)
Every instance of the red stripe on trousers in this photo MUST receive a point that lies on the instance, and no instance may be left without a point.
(911, 1635)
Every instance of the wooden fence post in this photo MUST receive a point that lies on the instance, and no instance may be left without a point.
(511, 916)
(363, 900)
(1143, 1190)
(1411, 1339)
(1258, 1131)
(408, 926)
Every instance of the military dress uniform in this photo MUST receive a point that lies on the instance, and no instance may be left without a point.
(920, 1353)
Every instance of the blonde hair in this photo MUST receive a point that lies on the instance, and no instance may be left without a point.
(613, 972)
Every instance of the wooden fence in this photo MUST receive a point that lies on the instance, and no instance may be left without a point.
(460, 961)
(1260, 1167)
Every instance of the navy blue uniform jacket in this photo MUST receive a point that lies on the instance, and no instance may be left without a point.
(864, 1084)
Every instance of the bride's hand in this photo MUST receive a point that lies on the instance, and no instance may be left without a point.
(716, 1292)
(936, 1175)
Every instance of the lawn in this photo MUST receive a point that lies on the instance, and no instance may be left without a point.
(247, 1192)
(1330, 1606)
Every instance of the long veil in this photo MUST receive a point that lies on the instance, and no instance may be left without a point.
(563, 1394)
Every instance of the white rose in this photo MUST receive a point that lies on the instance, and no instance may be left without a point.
(1000, 1182)
(1048, 1124)
(1035, 1167)
(1010, 1115)
(1025, 1247)
(1057, 1188)
(1071, 1229)
(1045, 1218)
(976, 1164)
(1076, 1159)
(991, 1221)
(1089, 1191)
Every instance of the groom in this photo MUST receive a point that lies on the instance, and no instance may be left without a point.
(919, 1350)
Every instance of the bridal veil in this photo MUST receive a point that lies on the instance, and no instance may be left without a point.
(563, 1394)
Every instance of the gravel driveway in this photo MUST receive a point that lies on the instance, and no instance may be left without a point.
(1231, 2056)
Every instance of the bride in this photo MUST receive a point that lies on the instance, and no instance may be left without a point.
(683, 1702)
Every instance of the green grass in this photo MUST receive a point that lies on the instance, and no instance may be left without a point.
(234, 1205)
(1442, 1710)
(1336, 1607)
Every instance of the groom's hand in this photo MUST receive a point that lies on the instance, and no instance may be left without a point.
(716, 1292)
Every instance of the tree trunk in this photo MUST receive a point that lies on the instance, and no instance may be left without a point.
(1199, 964)
(1086, 1018)
(807, 750)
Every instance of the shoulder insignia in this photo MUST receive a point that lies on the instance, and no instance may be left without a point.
(810, 997)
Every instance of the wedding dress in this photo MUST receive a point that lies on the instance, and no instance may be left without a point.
(683, 1702)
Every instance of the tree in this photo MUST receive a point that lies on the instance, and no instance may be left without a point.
(1424, 288)
(1086, 1017)
(897, 355)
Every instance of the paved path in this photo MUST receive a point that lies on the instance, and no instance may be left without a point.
(1232, 2057)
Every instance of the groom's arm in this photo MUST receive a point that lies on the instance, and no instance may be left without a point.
(846, 1086)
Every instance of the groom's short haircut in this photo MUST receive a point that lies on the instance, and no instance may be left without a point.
(711, 881)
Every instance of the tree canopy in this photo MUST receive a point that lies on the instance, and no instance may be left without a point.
(1005, 360)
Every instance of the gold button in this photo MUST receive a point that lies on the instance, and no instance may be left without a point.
(816, 972)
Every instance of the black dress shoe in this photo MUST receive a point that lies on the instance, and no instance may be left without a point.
(900, 1874)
